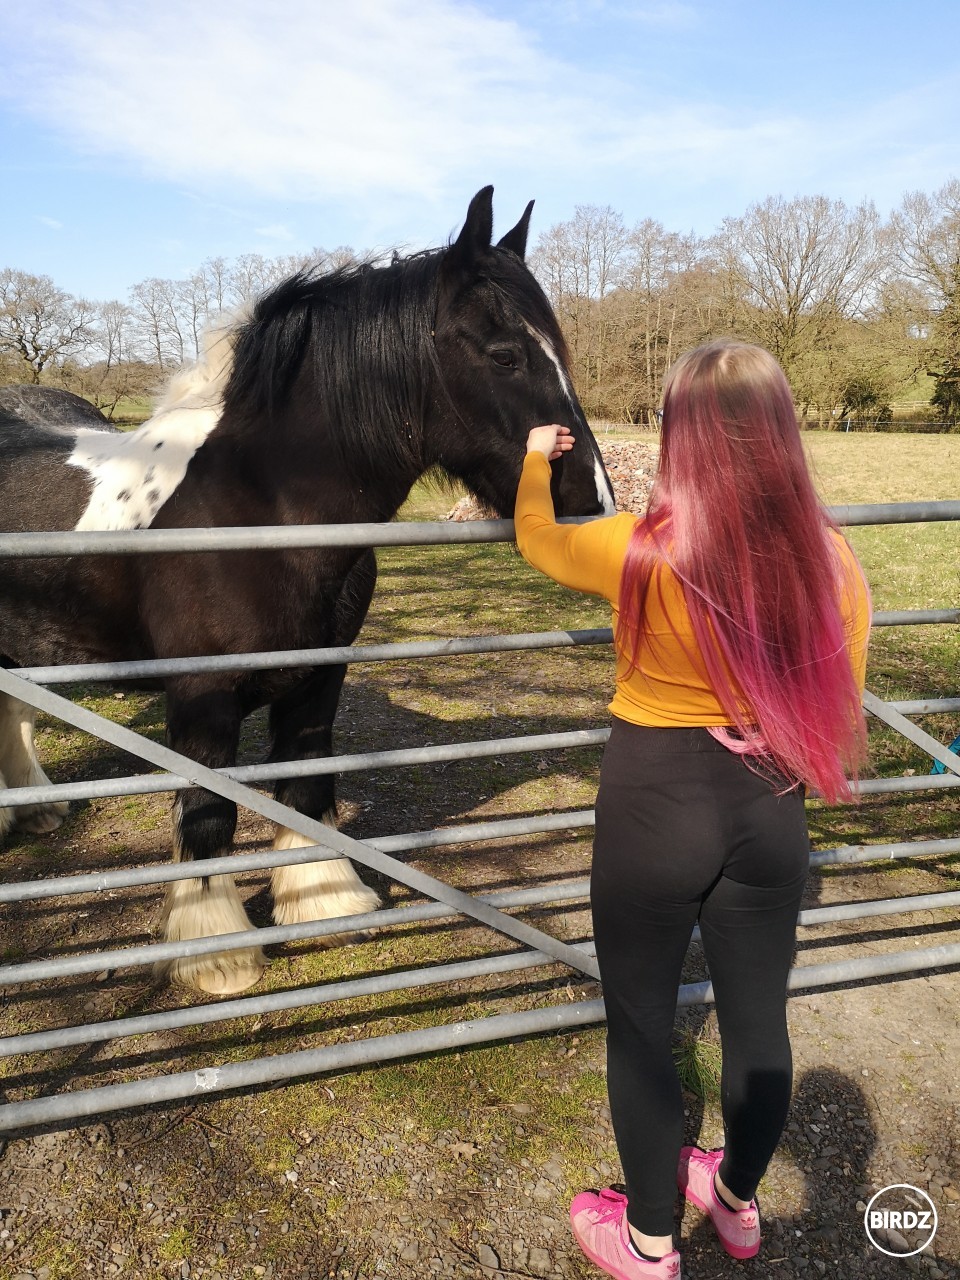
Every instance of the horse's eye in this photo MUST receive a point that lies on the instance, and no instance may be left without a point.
(504, 357)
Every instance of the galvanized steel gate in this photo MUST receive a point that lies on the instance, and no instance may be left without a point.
(443, 900)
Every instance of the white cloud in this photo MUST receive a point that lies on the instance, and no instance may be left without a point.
(52, 223)
(302, 99)
(655, 13)
(378, 98)
(395, 102)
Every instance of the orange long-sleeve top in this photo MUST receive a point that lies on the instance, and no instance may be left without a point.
(669, 685)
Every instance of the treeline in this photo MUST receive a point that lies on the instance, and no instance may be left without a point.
(859, 311)
(115, 351)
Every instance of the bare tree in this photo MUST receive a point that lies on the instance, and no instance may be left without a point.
(214, 282)
(252, 275)
(664, 300)
(926, 236)
(797, 268)
(158, 321)
(114, 369)
(580, 263)
(39, 323)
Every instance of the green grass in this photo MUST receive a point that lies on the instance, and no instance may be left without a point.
(133, 409)
(698, 1061)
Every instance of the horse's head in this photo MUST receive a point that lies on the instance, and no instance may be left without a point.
(503, 365)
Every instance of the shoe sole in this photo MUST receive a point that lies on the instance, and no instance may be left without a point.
(739, 1251)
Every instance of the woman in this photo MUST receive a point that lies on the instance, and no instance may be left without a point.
(741, 619)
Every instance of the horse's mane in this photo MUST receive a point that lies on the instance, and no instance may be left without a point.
(201, 385)
(368, 330)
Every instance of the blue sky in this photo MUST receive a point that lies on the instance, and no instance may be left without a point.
(138, 138)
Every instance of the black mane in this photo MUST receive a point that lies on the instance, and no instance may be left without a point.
(367, 331)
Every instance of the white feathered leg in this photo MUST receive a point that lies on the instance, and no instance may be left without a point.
(20, 767)
(319, 890)
(6, 815)
(198, 908)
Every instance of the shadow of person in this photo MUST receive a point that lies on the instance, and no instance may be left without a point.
(831, 1139)
(821, 1180)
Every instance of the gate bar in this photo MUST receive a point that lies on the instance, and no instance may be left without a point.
(400, 758)
(229, 864)
(877, 707)
(266, 860)
(425, 533)
(453, 646)
(148, 953)
(408, 979)
(321, 834)
(406, 1044)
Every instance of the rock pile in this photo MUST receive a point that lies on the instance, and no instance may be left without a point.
(631, 466)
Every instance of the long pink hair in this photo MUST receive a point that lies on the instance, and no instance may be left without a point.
(734, 513)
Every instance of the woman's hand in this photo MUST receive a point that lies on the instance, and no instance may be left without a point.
(552, 441)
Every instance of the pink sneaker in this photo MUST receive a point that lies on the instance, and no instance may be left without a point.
(739, 1232)
(600, 1226)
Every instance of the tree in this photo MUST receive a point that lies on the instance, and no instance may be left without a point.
(926, 235)
(665, 302)
(796, 269)
(114, 369)
(158, 322)
(580, 263)
(40, 323)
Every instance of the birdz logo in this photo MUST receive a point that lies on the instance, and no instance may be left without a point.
(900, 1220)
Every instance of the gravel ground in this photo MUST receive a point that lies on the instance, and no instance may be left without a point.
(175, 1196)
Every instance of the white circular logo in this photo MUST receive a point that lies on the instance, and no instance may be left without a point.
(903, 1217)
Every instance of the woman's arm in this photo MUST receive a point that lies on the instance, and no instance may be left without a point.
(586, 557)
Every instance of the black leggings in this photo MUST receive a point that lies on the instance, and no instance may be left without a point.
(687, 832)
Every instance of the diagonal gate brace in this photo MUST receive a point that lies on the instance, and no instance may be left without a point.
(889, 715)
(329, 838)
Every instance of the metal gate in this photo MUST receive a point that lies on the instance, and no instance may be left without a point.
(538, 949)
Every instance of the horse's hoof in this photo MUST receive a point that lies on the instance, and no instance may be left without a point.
(41, 818)
(221, 975)
(230, 982)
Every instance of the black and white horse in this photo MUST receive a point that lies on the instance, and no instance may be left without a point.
(323, 405)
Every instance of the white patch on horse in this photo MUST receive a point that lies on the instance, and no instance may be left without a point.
(546, 347)
(19, 767)
(604, 491)
(317, 890)
(135, 473)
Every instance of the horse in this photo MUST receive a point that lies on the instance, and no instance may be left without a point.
(323, 403)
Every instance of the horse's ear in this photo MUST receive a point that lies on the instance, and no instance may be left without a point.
(477, 231)
(516, 238)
